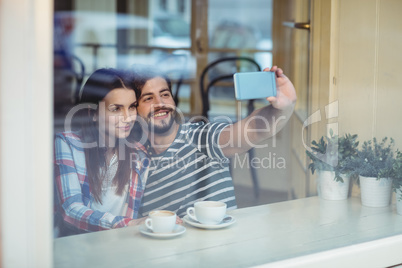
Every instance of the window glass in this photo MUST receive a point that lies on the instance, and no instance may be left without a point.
(240, 24)
(93, 34)
(89, 36)
(237, 28)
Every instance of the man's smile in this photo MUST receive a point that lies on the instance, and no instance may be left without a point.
(161, 114)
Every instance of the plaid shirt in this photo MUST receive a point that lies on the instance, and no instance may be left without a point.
(73, 192)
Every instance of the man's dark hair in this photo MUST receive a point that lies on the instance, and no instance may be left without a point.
(143, 73)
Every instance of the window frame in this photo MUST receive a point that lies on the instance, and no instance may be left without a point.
(26, 127)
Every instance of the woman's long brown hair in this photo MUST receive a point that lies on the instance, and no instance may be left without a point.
(98, 85)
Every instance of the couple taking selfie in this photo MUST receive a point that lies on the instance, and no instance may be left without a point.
(134, 154)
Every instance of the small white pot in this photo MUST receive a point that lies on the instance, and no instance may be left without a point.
(398, 202)
(330, 189)
(374, 192)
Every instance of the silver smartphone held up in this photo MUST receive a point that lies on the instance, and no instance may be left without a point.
(254, 85)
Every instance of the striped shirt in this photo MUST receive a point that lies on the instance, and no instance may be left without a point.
(192, 169)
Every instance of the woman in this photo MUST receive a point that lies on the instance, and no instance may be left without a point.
(100, 169)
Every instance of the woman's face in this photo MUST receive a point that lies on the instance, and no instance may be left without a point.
(117, 114)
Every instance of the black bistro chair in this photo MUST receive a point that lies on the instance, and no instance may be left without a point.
(228, 76)
(69, 72)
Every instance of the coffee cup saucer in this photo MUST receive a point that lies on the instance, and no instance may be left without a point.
(178, 230)
(227, 221)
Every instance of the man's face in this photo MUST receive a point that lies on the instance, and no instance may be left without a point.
(156, 105)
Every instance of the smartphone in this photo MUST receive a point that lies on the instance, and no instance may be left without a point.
(254, 85)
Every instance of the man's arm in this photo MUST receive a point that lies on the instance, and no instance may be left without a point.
(262, 123)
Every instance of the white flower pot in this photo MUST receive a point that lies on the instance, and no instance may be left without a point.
(330, 189)
(399, 202)
(374, 192)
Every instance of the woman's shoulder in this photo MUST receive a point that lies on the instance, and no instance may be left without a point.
(70, 137)
(76, 135)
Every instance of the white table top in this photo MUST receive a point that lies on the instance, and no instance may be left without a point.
(261, 235)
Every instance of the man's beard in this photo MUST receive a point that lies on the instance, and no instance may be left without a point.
(164, 126)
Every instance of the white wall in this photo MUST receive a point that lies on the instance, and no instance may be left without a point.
(369, 71)
(26, 133)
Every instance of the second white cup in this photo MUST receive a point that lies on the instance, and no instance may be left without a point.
(161, 221)
(207, 212)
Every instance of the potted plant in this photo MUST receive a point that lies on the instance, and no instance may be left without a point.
(397, 181)
(329, 156)
(374, 167)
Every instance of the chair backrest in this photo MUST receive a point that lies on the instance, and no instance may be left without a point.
(80, 73)
(226, 76)
(73, 67)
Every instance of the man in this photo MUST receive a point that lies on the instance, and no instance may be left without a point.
(189, 162)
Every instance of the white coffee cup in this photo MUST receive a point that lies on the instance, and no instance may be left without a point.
(207, 212)
(161, 221)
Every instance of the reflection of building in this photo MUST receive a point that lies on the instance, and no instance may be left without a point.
(157, 33)
(254, 15)
(176, 7)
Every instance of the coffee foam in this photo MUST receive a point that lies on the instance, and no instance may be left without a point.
(161, 213)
